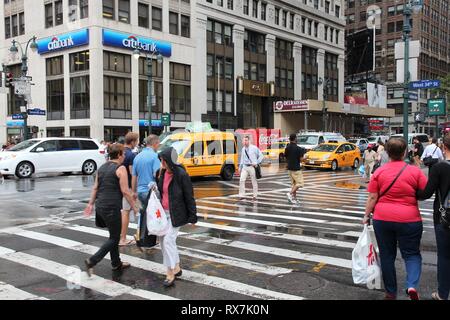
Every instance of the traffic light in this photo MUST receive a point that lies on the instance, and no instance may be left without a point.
(9, 78)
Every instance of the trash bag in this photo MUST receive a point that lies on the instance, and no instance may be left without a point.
(157, 222)
(365, 260)
(362, 170)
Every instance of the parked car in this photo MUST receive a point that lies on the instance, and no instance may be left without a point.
(52, 155)
(310, 140)
(361, 143)
(333, 156)
(423, 138)
(373, 140)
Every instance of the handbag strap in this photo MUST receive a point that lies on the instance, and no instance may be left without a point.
(434, 151)
(392, 183)
(247, 155)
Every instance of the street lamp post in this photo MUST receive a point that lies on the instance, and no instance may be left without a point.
(325, 83)
(149, 60)
(15, 50)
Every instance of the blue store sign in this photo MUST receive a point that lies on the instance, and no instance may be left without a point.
(65, 41)
(155, 123)
(132, 42)
(16, 123)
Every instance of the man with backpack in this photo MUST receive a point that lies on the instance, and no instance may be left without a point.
(432, 154)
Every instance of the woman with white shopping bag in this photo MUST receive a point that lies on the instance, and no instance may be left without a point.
(392, 200)
(178, 203)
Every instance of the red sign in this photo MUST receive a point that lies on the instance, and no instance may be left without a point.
(294, 105)
(356, 100)
(262, 138)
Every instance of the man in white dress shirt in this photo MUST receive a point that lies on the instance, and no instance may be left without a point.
(251, 157)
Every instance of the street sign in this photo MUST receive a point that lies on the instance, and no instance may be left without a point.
(17, 116)
(166, 120)
(22, 88)
(425, 84)
(437, 107)
(36, 112)
(413, 96)
(419, 117)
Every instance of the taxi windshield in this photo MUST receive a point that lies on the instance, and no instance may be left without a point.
(325, 148)
(308, 140)
(178, 145)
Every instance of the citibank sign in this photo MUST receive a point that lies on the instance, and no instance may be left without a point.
(133, 42)
(65, 41)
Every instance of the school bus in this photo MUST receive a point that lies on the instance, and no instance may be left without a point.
(205, 153)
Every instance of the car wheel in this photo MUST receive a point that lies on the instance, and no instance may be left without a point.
(89, 167)
(228, 173)
(334, 165)
(24, 170)
(356, 163)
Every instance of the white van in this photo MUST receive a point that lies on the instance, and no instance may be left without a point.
(310, 140)
(52, 155)
(423, 138)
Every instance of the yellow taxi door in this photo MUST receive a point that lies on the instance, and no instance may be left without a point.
(340, 156)
(194, 159)
(214, 157)
(349, 155)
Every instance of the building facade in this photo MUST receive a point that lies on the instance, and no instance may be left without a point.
(431, 27)
(224, 61)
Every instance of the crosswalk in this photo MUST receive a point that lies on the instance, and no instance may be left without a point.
(239, 249)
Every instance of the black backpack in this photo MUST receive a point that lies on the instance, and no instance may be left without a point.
(444, 207)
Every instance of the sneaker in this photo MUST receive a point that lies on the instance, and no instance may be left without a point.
(289, 196)
(89, 268)
(435, 296)
(390, 296)
(412, 293)
(123, 265)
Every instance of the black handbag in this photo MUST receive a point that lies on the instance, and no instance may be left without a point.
(429, 161)
(444, 211)
(376, 166)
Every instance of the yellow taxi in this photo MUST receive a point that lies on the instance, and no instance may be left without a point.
(276, 151)
(333, 156)
(205, 153)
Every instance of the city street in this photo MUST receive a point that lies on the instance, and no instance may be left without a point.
(267, 249)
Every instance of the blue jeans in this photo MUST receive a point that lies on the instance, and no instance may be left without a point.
(142, 196)
(443, 261)
(408, 236)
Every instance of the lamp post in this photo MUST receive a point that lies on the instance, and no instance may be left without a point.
(325, 83)
(149, 60)
(14, 50)
(218, 105)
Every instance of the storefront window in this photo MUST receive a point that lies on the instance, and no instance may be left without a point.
(55, 99)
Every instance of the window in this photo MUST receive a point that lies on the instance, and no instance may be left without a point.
(124, 11)
(230, 4)
(79, 97)
(228, 102)
(284, 20)
(68, 145)
(55, 66)
(210, 100)
(58, 12)
(78, 9)
(180, 102)
(246, 7)
(48, 146)
(255, 9)
(49, 15)
(113, 61)
(254, 42)
(327, 7)
(117, 97)
(180, 72)
(263, 11)
(143, 15)
(277, 16)
(86, 144)
(21, 23)
(79, 61)
(291, 21)
(157, 92)
(156, 18)
(337, 11)
(229, 68)
(108, 9)
(7, 27)
(55, 99)
(84, 9)
(219, 33)
(185, 26)
(15, 27)
(214, 147)
(316, 4)
(173, 23)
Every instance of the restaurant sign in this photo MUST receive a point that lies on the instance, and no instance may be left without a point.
(291, 105)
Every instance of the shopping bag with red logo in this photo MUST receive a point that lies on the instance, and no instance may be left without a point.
(157, 223)
(365, 260)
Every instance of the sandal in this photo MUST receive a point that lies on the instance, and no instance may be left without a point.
(168, 283)
(436, 296)
(128, 243)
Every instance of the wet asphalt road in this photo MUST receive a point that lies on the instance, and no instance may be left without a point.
(268, 249)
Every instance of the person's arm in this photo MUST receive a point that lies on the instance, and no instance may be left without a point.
(134, 179)
(241, 161)
(260, 156)
(126, 192)
(432, 185)
(370, 205)
(90, 206)
(189, 199)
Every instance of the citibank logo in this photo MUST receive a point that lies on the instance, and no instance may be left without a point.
(56, 43)
(134, 43)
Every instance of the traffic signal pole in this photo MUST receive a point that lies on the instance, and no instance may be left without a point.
(406, 32)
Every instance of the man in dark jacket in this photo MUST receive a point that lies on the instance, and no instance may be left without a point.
(177, 199)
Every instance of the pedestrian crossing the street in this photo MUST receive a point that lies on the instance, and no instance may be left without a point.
(266, 248)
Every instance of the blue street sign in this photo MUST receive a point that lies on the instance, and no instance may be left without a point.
(64, 41)
(133, 42)
(36, 112)
(413, 96)
(425, 84)
(17, 116)
(155, 123)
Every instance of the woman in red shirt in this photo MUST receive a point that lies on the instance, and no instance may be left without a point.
(396, 217)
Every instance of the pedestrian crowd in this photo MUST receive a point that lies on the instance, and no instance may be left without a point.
(394, 191)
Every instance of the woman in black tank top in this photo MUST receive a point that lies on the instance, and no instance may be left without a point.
(111, 185)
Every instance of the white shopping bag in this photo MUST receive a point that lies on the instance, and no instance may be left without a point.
(157, 223)
(365, 260)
